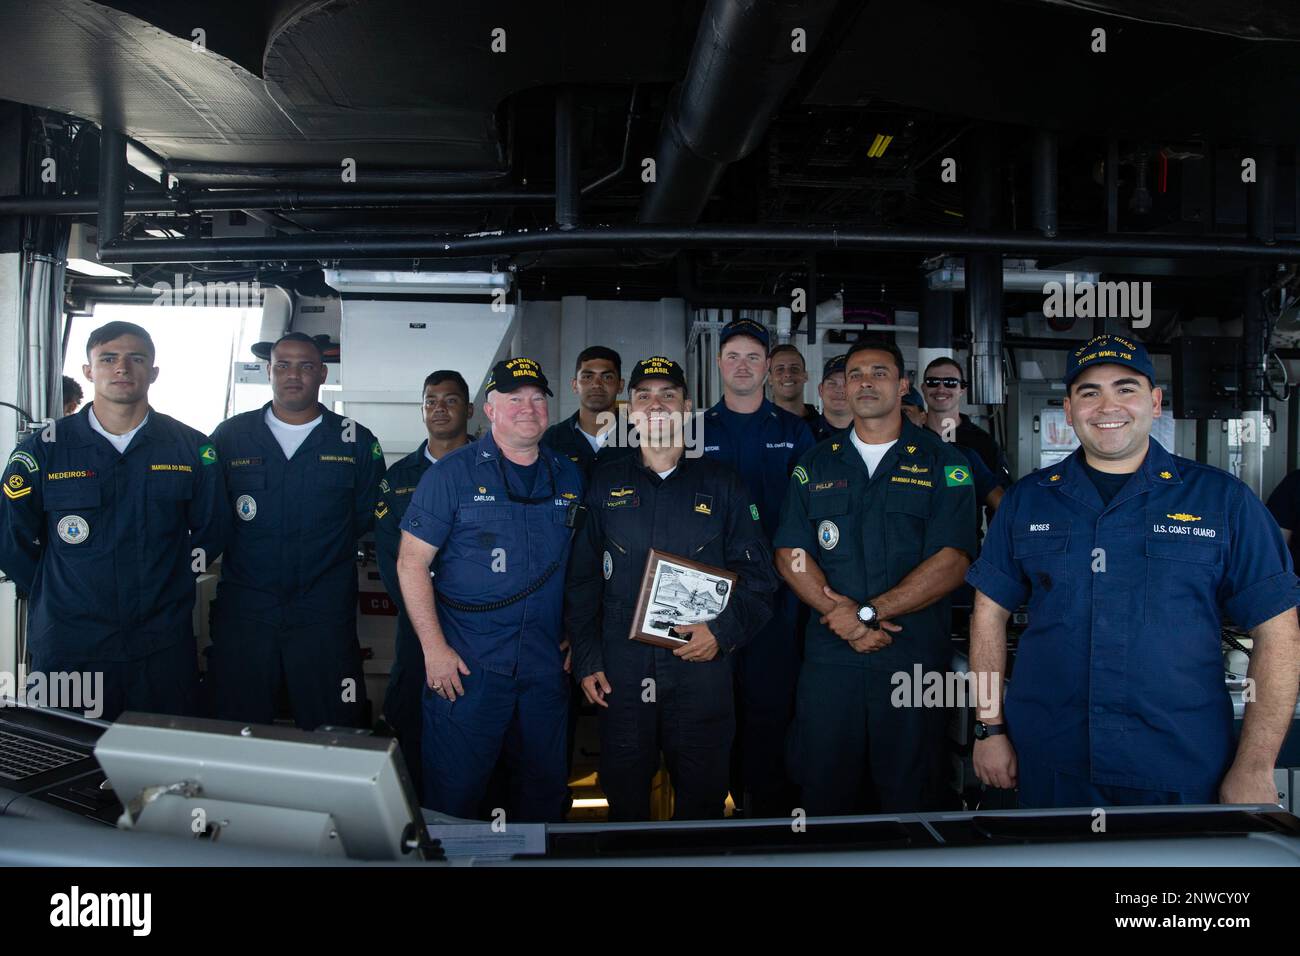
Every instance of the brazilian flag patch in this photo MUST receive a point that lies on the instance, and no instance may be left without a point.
(207, 454)
(376, 452)
(957, 475)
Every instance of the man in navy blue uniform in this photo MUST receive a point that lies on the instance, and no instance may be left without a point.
(695, 508)
(875, 534)
(106, 521)
(445, 411)
(836, 414)
(590, 435)
(494, 520)
(943, 385)
(1127, 557)
(762, 443)
(303, 482)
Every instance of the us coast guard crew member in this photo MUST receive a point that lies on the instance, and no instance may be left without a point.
(875, 534)
(1127, 555)
(104, 528)
(445, 410)
(695, 508)
(303, 482)
(494, 519)
(762, 443)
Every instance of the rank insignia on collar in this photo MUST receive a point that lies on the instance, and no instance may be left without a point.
(835, 446)
(911, 449)
(1166, 475)
(1054, 478)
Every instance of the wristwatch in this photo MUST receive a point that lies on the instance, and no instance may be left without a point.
(868, 615)
(983, 731)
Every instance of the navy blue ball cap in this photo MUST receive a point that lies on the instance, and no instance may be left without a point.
(656, 366)
(754, 330)
(833, 365)
(515, 373)
(1109, 349)
(913, 397)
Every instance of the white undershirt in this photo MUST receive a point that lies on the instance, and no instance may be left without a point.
(289, 436)
(871, 454)
(432, 460)
(118, 441)
(597, 442)
(665, 474)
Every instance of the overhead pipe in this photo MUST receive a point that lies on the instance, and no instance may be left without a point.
(235, 175)
(984, 272)
(827, 239)
(226, 200)
(1044, 182)
(567, 194)
(742, 65)
(112, 184)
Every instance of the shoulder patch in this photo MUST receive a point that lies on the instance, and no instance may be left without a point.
(376, 452)
(381, 511)
(956, 475)
(753, 512)
(383, 485)
(801, 475)
(26, 460)
(208, 453)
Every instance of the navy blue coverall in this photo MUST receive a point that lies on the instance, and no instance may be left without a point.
(851, 748)
(287, 603)
(1117, 696)
(106, 546)
(491, 549)
(701, 511)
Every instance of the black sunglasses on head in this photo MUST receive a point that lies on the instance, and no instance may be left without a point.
(945, 382)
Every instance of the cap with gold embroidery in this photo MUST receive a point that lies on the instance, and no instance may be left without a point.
(656, 366)
(1109, 350)
(516, 373)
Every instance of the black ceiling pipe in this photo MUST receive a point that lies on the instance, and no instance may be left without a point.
(225, 200)
(234, 175)
(566, 160)
(1044, 182)
(742, 66)
(112, 184)
(825, 238)
(984, 316)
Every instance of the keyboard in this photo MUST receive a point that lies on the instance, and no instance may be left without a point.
(23, 757)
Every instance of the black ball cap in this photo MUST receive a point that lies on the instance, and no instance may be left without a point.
(516, 373)
(656, 366)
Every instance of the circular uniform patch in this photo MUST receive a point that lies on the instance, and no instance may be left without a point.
(607, 565)
(73, 529)
(246, 507)
(828, 535)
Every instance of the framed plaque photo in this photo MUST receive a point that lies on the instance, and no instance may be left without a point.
(677, 590)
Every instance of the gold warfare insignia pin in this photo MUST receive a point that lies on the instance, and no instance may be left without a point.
(1183, 516)
(482, 490)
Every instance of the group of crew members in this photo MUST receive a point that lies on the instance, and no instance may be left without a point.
(516, 563)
